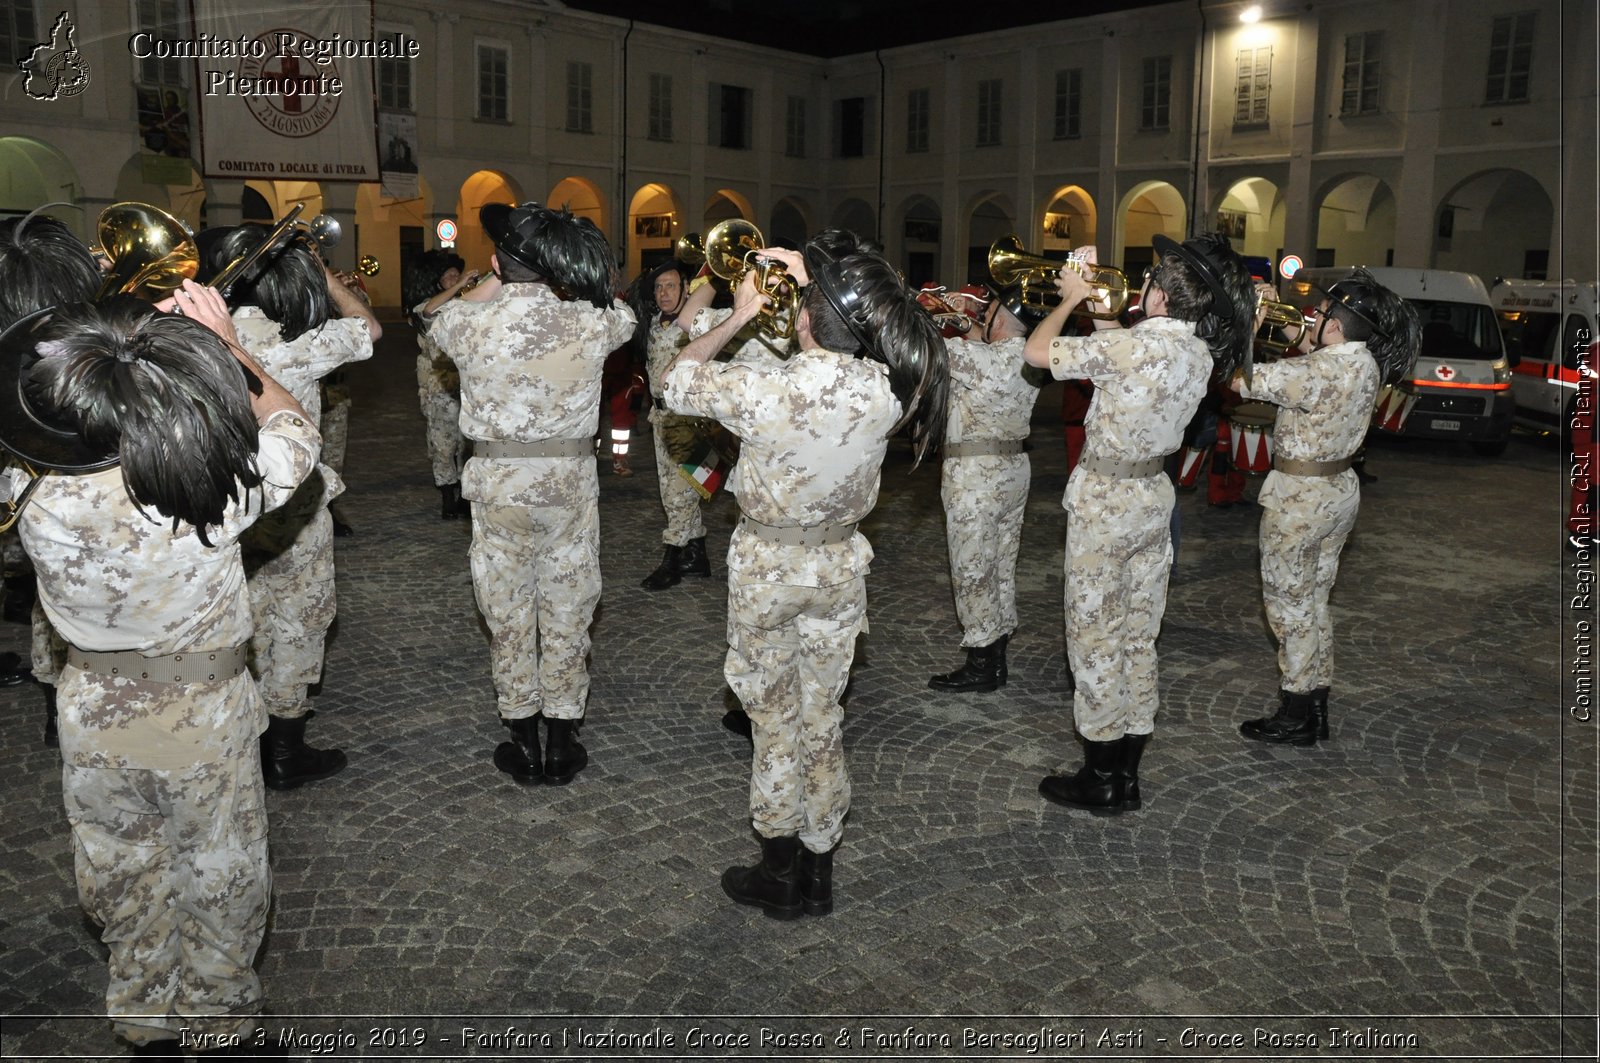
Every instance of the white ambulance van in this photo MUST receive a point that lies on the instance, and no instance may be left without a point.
(1550, 339)
(1460, 385)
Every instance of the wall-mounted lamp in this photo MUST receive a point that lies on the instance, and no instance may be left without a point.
(1250, 15)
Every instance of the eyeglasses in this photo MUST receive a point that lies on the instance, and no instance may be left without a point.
(1149, 271)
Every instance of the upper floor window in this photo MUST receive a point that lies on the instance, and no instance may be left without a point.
(1363, 58)
(1252, 84)
(19, 32)
(159, 18)
(394, 78)
(730, 116)
(917, 120)
(989, 92)
(494, 83)
(1510, 59)
(1155, 93)
(1069, 104)
(850, 127)
(660, 107)
(794, 127)
(580, 98)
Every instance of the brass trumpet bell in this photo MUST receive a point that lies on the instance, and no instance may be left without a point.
(1010, 264)
(731, 251)
(690, 250)
(368, 266)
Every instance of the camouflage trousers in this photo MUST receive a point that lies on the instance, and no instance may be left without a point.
(174, 865)
(1119, 556)
(47, 650)
(1299, 562)
(335, 424)
(536, 573)
(441, 412)
(789, 654)
(680, 501)
(984, 500)
(288, 556)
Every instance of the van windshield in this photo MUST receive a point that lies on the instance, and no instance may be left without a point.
(1529, 335)
(1457, 330)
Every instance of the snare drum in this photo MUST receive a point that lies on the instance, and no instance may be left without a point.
(1394, 405)
(1250, 425)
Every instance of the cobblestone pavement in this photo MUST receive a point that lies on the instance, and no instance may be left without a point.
(1429, 873)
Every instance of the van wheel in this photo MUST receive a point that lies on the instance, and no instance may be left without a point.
(1490, 448)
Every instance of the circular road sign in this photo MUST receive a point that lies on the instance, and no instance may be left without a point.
(1289, 265)
(446, 230)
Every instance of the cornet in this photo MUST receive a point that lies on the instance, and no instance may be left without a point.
(1282, 327)
(1009, 264)
(732, 249)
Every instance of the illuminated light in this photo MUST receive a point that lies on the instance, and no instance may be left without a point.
(1477, 387)
(1250, 15)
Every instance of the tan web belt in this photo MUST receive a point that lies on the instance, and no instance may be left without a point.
(539, 448)
(983, 448)
(821, 535)
(191, 666)
(1121, 470)
(1299, 467)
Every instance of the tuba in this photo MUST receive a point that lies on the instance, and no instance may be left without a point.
(1009, 264)
(731, 250)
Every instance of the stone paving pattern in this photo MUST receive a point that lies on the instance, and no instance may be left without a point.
(1436, 858)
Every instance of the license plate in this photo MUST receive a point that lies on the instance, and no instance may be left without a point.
(1446, 426)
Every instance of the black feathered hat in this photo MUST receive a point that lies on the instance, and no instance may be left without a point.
(1197, 260)
(511, 229)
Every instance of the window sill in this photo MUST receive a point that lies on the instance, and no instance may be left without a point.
(492, 121)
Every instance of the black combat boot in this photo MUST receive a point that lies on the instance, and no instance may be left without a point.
(51, 736)
(1319, 706)
(984, 671)
(13, 672)
(816, 881)
(564, 756)
(1097, 786)
(520, 758)
(286, 760)
(1128, 767)
(668, 573)
(1294, 724)
(19, 596)
(450, 501)
(771, 885)
(695, 561)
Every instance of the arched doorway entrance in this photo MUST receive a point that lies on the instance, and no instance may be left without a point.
(1498, 223)
(485, 186)
(1355, 223)
(1149, 208)
(990, 217)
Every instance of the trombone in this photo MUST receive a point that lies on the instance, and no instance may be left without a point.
(1009, 264)
(732, 249)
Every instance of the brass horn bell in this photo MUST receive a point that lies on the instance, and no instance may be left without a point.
(1010, 264)
(1282, 326)
(731, 251)
(690, 250)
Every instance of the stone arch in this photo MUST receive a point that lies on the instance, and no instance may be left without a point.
(1251, 214)
(484, 186)
(858, 216)
(726, 203)
(990, 215)
(35, 173)
(392, 231)
(582, 197)
(1355, 222)
(1148, 208)
(1070, 219)
(1496, 223)
(920, 230)
(790, 225)
(649, 240)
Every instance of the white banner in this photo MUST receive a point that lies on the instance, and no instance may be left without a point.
(286, 90)
(398, 134)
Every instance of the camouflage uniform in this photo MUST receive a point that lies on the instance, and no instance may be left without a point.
(815, 432)
(439, 389)
(985, 494)
(530, 371)
(1324, 402)
(335, 422)
(162, 781)
(1148, 382)
(289, 552)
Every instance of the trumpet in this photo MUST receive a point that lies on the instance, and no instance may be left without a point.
(690, 250)
(1282, 326)
(1009, 264)
(732, 249)
(945, 314)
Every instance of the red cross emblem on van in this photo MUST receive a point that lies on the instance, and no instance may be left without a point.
(1444, 372)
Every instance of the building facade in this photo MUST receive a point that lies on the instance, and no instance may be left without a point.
(1454, 134)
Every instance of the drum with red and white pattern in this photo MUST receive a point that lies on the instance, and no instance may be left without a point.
(1251, 446)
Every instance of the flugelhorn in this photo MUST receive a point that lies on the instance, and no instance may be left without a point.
(1010, 264)
(732, 249)
(1282, 326)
